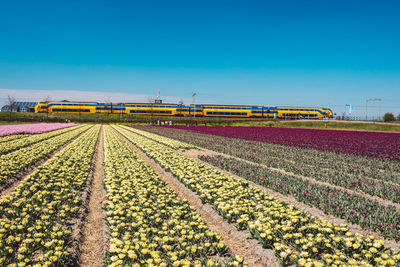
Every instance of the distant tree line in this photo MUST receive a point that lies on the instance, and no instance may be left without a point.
(390, 117)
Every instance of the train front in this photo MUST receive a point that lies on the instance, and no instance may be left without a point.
(329, 113)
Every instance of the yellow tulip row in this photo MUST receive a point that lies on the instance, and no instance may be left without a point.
(15, 162)
(36, 219)
(161, 139)
(11, 137)
(296, 236)
(149, 224)
(9, 146)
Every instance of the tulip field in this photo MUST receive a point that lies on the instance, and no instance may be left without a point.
(373, 144)
(47, 182)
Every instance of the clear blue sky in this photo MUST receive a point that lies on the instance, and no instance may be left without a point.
(311, 53)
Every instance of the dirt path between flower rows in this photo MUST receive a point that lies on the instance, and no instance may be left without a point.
(194, 153)
(237, 241)
(94, 240)
(13, 182)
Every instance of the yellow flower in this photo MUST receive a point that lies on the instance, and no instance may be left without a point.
(373, 250)
(283, 254)
(132, 254)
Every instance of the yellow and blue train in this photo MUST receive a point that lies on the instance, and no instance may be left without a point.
(198, 110)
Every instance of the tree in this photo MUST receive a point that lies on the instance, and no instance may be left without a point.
(398, 117)
(388, 117)
(10, 103)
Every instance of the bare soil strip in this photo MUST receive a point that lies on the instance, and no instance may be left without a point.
(194, 153)
(93, 240)
(13, 182)
(291, 200)
(237, 241)
(78, 224)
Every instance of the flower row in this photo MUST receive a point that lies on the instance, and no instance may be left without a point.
(15, 162)
(161, 139)
(36, 219)
(353, 208)
(297, 237)
(12, 137)
(371, 144)
(10, 146)
(149, 224)
(32, 128)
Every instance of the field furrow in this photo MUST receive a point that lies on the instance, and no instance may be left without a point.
(94, 229)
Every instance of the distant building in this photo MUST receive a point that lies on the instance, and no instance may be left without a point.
(20, 107)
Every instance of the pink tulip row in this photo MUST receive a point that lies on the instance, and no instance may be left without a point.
(32, 128)
(370, 144)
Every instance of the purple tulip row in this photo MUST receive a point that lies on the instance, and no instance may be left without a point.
(32, 128)
(370, 144)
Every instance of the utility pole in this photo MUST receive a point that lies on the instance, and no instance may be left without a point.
(194, 105)
(366, 106)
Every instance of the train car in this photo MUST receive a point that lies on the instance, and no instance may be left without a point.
(66, 107)
(151, 109)
(199, 110)
(237, 111)
(302, 113)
